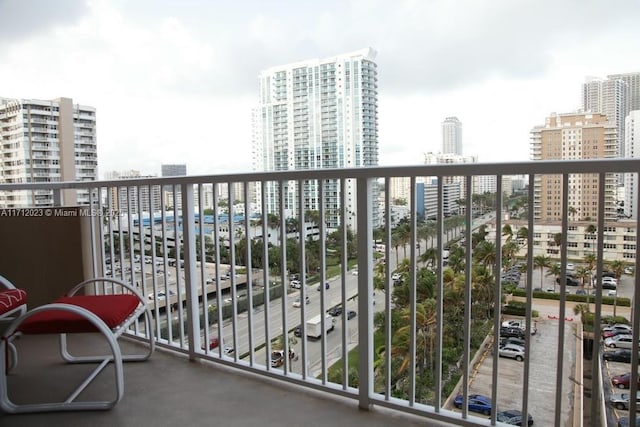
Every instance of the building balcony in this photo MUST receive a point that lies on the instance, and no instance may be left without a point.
(417, 307)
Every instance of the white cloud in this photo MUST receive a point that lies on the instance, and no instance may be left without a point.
(176, 82)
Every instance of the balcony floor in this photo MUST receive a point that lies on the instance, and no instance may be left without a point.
(170, 390)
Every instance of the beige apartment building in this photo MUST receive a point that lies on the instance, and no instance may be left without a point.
(46, 141)
(573, 136)
(619, 239)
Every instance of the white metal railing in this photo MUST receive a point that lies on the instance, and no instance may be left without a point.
(221, 296)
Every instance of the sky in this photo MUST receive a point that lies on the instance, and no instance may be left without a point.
(175, 81)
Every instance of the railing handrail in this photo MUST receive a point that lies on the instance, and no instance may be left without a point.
(457, 169)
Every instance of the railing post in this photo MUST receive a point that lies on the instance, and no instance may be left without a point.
(365, 290)
(190, 276)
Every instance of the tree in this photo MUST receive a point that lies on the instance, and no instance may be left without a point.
(542, 262)
(555, 271)
(509, 251)
(403, 233)
(485, 253)
(617, 267)
(507, 231)
(522, 235)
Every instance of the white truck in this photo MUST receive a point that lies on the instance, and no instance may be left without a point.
(314, 325)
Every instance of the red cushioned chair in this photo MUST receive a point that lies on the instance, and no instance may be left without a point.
(115, 310)
(13, 304)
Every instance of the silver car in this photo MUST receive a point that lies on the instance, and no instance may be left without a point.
(513, 351)
(619, 341)
(621, 400)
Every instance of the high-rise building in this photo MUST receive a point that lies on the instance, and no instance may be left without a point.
(633, 82)
(610, 97)
(46, 141)
(173, 170)
(435, 159)
(317, 114)
(632, 151)
(133, 199)
(452, 136)
(573, 136)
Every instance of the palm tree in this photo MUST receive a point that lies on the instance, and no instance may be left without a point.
(555, 271)
(509, 251)
(403, 232)
(541, 261)
(522, 235)
(485, 253)
(429, 257)
(572, 211)
(507, 231)
(617, 267)
(523, 270)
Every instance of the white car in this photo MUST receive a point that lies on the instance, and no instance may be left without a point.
(396, 276)
(297, 303)
(162, 295)
(570, 266)
(295, 284)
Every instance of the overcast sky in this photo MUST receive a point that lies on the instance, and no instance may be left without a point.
(175, 81)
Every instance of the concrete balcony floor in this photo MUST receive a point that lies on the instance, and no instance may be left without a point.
(170, 390)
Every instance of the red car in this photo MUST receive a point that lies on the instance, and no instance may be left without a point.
(213, 343)
(616, 329)
(623, 380)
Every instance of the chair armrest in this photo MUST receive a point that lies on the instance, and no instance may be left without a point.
(113, 280)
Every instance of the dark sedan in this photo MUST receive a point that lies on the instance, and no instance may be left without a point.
(619, 355)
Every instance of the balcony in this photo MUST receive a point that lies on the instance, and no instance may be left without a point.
(435, 285)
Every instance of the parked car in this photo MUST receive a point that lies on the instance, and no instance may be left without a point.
(513, 417)
(571, 281)
(623, 380)
(581, 292)
(609, 283)
(351, 314)
(616, 329)
(475, 403)
(514, 324)
(396, 276)
(511, 332)
(613, 333)
(512, 340)
(624, 422)
(512, 351)
(621, 400)
(618, 355)
(619, 341)
(297, 331)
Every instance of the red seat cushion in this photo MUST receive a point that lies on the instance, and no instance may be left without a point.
(112, 309)
(11, 299)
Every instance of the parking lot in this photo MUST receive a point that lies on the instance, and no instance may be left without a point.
(542, 374)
